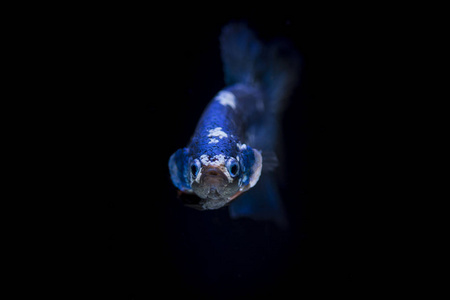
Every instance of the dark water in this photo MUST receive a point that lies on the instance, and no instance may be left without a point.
(150, 88)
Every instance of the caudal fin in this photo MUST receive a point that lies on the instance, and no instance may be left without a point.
(241, 51)
(273, 67)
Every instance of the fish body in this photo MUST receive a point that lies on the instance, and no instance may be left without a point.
(218, 165)
(226, 154)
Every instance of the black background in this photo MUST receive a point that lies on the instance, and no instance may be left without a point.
(139, 86)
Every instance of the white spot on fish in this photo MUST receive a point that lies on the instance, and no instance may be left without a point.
(226, 98)
(217, 132)
(213, 141)
(244, 178)
(216, 161)
(241, 146)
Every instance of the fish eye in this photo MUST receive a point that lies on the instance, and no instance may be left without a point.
(195, 167)
(233, 167)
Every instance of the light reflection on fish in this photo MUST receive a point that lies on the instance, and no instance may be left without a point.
(232, 149)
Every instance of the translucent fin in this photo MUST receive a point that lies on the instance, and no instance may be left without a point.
(241, 52)
(280, 75)
(261, 203)
(273, 67)
(270, 160)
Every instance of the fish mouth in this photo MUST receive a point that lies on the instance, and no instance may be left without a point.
(213, 180)
(212, 188)
(214, 185)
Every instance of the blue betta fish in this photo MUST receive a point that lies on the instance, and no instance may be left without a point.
(233, 147)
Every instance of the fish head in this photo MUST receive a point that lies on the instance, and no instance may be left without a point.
(216, 179)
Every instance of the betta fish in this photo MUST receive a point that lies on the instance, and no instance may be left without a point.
(230, 158)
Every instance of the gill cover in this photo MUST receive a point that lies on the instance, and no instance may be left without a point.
(179, 170)
(252, 165)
